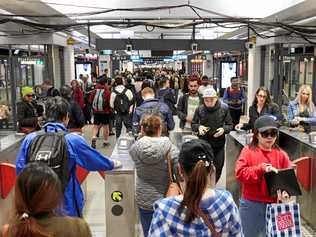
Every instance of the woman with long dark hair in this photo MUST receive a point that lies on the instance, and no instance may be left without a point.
(186, 215)
(37, 203)
(261, 156)
(261, 105)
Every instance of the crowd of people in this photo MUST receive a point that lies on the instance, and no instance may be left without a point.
(146, 104)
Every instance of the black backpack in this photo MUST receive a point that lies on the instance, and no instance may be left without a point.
(121, 102)
(154, 110)
(51, 148)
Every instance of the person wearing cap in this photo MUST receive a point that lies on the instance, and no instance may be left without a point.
(180, 215)
(29, 113)
(212, 121)
(261, 156)
(205, 83)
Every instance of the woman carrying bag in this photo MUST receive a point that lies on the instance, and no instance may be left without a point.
(202, 210)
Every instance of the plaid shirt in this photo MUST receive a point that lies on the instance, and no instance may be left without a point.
(168, 219)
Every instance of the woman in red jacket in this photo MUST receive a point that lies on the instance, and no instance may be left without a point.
(261, 156)
(77, 93)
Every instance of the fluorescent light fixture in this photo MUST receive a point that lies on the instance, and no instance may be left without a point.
(124, 34)
(207, 33)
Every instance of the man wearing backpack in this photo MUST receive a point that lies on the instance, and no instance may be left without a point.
(121, 101)
(153, 106)
(166, 94)
(100, 100)
(62, 151)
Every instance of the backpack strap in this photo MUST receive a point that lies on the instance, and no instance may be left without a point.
(208, 223)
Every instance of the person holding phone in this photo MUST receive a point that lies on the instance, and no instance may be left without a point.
(261, 156)
(212, 121)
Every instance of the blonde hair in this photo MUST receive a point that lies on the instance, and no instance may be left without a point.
(309, 103)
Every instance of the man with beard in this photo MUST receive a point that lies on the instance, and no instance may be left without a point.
(187, 105)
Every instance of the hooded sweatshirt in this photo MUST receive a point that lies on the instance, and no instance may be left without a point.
(149, 155)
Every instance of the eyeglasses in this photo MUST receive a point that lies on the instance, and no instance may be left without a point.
(269, 133)
(29, 95)
(262, 96)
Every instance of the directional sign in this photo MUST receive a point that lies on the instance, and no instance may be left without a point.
(117, 196)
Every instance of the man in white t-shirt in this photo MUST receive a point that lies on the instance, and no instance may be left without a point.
(187, 105)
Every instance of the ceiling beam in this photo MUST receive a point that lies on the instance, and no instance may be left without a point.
(170, 44)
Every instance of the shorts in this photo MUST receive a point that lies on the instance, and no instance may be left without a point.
(99, 119)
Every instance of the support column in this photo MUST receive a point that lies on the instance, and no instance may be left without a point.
(277, 75)
(69, 64)
(254, 68)
(208, 65)
(13, 65)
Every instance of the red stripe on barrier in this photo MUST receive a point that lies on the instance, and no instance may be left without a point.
(81, 174)
(7, 179)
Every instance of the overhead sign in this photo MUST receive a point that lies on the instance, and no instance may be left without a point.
(117, 196)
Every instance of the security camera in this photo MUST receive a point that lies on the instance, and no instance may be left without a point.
(129, 47)
(194, 46)
(249, 45)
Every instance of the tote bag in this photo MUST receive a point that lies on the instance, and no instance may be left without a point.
(283, 220)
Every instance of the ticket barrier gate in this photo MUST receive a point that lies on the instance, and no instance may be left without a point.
(120, 207)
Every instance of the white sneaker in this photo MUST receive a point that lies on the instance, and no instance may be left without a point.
(117, 164)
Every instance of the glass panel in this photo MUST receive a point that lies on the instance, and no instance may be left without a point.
(309, 74)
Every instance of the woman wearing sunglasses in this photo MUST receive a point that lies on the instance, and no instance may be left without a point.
(29, 113)
(302, 108)
(261, 105)
(261, 156)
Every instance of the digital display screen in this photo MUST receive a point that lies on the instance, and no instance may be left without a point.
(228, 70)
(84, 69)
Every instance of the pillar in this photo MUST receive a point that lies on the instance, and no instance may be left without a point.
(69, 64)
(254, 69)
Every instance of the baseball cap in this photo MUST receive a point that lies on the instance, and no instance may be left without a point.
(264, 123)
(209, 92)
(193, 151)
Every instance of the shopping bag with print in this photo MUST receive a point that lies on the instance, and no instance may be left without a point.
(283, 220)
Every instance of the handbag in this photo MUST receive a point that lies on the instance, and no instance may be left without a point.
(283, 219)
(208, 223)
(174, 188)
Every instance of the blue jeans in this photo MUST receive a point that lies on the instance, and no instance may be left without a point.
(145, 219)
(252, 216)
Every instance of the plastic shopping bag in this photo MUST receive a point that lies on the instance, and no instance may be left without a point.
(283, 220)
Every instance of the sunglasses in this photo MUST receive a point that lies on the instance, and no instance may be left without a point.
(29, 95)
(269, 133)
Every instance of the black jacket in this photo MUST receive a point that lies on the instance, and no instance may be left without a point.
(272, 109)
(214, 118)
(167, 96)
(182, 108)
(76, 116)
(27, 113)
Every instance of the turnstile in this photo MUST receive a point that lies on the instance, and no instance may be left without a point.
(120, 207)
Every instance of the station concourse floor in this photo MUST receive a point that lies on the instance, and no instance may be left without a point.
(94, 210)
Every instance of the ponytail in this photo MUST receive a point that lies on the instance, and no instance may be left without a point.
(195, 187)
(30, 228)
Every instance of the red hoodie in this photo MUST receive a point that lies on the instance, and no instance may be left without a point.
(250, 168)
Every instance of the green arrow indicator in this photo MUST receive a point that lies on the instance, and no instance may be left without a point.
(117, 196)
